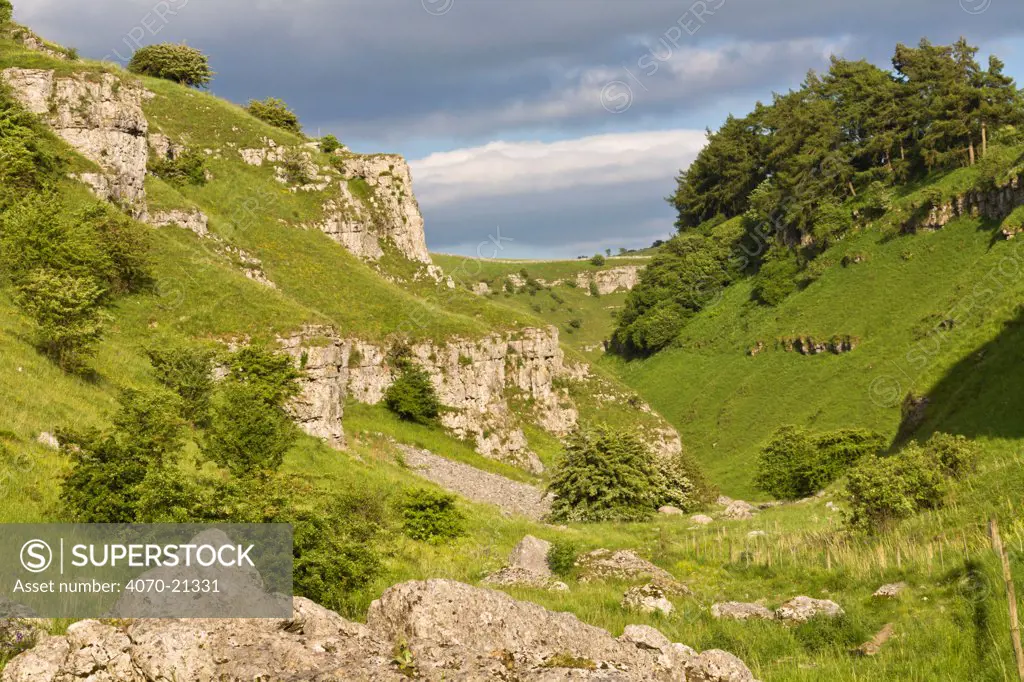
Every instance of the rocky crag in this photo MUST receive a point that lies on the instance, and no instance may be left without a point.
(101, 117)
(993, 204)
(473, 378)
(432, 630)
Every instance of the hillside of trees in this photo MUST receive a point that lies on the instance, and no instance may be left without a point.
(774, 189)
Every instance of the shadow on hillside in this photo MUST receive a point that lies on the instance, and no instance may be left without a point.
(983, 394)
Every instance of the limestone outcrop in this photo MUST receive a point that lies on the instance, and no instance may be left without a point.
(191, 219)
(993, 204)
(472, 377)
(432, 630)
(376, 205)
(100, 116)
(608, 281)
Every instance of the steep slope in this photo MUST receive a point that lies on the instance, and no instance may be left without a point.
(895, 313)
(335, 241)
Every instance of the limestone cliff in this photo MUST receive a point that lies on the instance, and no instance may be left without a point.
(993, 204)
(622, 278)
(376, 205)
(101, 117)
(474, 379)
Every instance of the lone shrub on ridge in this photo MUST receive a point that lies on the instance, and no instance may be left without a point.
(173, 62)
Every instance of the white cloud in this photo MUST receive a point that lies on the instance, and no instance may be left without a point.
(511, 168)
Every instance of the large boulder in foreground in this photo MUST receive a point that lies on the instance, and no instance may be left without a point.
(436, 629)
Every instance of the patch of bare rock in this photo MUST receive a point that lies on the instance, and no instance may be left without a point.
(648, 598)
(447, 630)
(794, 611)
(803, 609)
(891, 591)
(738, 510)
(623, 564)
(528, 567)
(733, 610)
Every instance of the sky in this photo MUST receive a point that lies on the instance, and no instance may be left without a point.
(558, 125)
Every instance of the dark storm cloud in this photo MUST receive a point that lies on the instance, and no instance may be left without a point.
(422, 76)
(386, 69)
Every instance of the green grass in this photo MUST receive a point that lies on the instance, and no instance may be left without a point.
(725, 403)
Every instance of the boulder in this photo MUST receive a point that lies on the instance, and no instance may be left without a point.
(647, 599)
(803, 609)
(756, 534)
(891, 591)
(738, 510)
(515, 576)
(702, 519)
(733, 610)
(669, 510)
(604, 564)
(435, 629)
(717, 666)
(723, 501)
(531, 554)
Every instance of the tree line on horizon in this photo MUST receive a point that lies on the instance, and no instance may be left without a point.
(790, 168)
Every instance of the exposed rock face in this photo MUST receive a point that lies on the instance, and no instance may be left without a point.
(622, 278)
(48, 440)
(531, 554)
(717, 666)
(733, 610)
(101, 117)
(604, 564)
(995, 204)
(194, 220)
(390, 211)
(647, 599)
(803, 609)
(512, 497)
(462, 625)
(449, 631)
(808, 345)
(472, 377)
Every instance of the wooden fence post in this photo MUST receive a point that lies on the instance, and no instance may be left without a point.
(1011, 596)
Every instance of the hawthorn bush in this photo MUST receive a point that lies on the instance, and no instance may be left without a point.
(276, 113)
(174, 62)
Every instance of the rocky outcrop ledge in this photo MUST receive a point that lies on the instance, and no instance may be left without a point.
(473, 379)
(432, 630)
(993, 204)
(101, 117)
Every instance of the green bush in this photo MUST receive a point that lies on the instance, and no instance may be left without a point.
(296, 167)
(276, 113)
(337, 548)
(92, 242)
(271, 376)
(795, 464)
(431, 516)
(604, 475)
(883, 490)
(187, 168)
(776, 280)
(594, 291)
(108, 468)
(173, 62)
(597, 260)
(188, 372)
(957, 455)
(683, 278)
(329, 144)
(68, 315)
(247, 435)
(562, 557)
(412, 395)
(6, 11)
